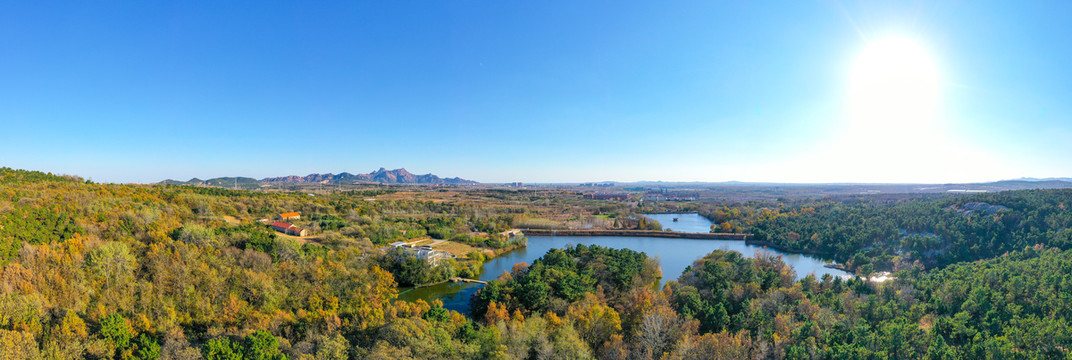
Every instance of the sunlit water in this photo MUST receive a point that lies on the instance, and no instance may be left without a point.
(673, 254)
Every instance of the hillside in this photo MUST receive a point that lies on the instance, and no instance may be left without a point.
(128, 271)
(224, 182)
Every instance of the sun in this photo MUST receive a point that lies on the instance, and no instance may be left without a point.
(894, 88)
(895, 128)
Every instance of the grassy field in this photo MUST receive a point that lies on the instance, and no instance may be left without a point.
(459, 249)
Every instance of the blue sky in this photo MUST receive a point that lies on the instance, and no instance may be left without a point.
(524, 91)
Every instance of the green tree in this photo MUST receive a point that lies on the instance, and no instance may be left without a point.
(222, 348)
(262, 345)
(116, 331)
(147, 348)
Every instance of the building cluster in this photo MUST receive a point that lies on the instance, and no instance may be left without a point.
(604, 184)
(424, 252)
(607, 196)
(288, 228)
(664, 194)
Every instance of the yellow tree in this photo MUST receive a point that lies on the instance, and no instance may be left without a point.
(17, 345)
(594, 320)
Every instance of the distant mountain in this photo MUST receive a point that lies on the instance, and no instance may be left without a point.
(1021, 184)
(381, 176)
(223, 182)
(1043, 179)
(194, 181)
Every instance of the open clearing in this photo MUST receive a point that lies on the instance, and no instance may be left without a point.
(460, 250)
(456, 248)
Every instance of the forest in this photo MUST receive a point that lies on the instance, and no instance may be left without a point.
(931, 231)
(109, 271)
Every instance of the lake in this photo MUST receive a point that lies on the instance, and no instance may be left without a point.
(673, 254)
(685, 222)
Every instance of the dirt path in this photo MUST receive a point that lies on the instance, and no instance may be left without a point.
(303, 240)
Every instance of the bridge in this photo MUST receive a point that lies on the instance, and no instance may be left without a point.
(458, 279)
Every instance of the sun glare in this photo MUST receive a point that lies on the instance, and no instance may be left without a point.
(894, 88)
(893, 131)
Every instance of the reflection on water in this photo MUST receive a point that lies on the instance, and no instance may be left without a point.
(673, 254)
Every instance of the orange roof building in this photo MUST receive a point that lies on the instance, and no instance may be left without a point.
(289, 229)
(289, 215)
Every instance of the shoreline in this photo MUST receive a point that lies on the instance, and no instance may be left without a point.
(684, 235)
(494, 254)
(774, 246)
(449, 292)
(637, 233)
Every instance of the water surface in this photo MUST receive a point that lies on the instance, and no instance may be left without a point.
(673, 254)
(685, 222)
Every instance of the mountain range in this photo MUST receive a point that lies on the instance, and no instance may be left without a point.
(1045, 179)
(227, 182)
(381, 176)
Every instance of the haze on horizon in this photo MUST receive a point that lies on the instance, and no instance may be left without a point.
(551, 92)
